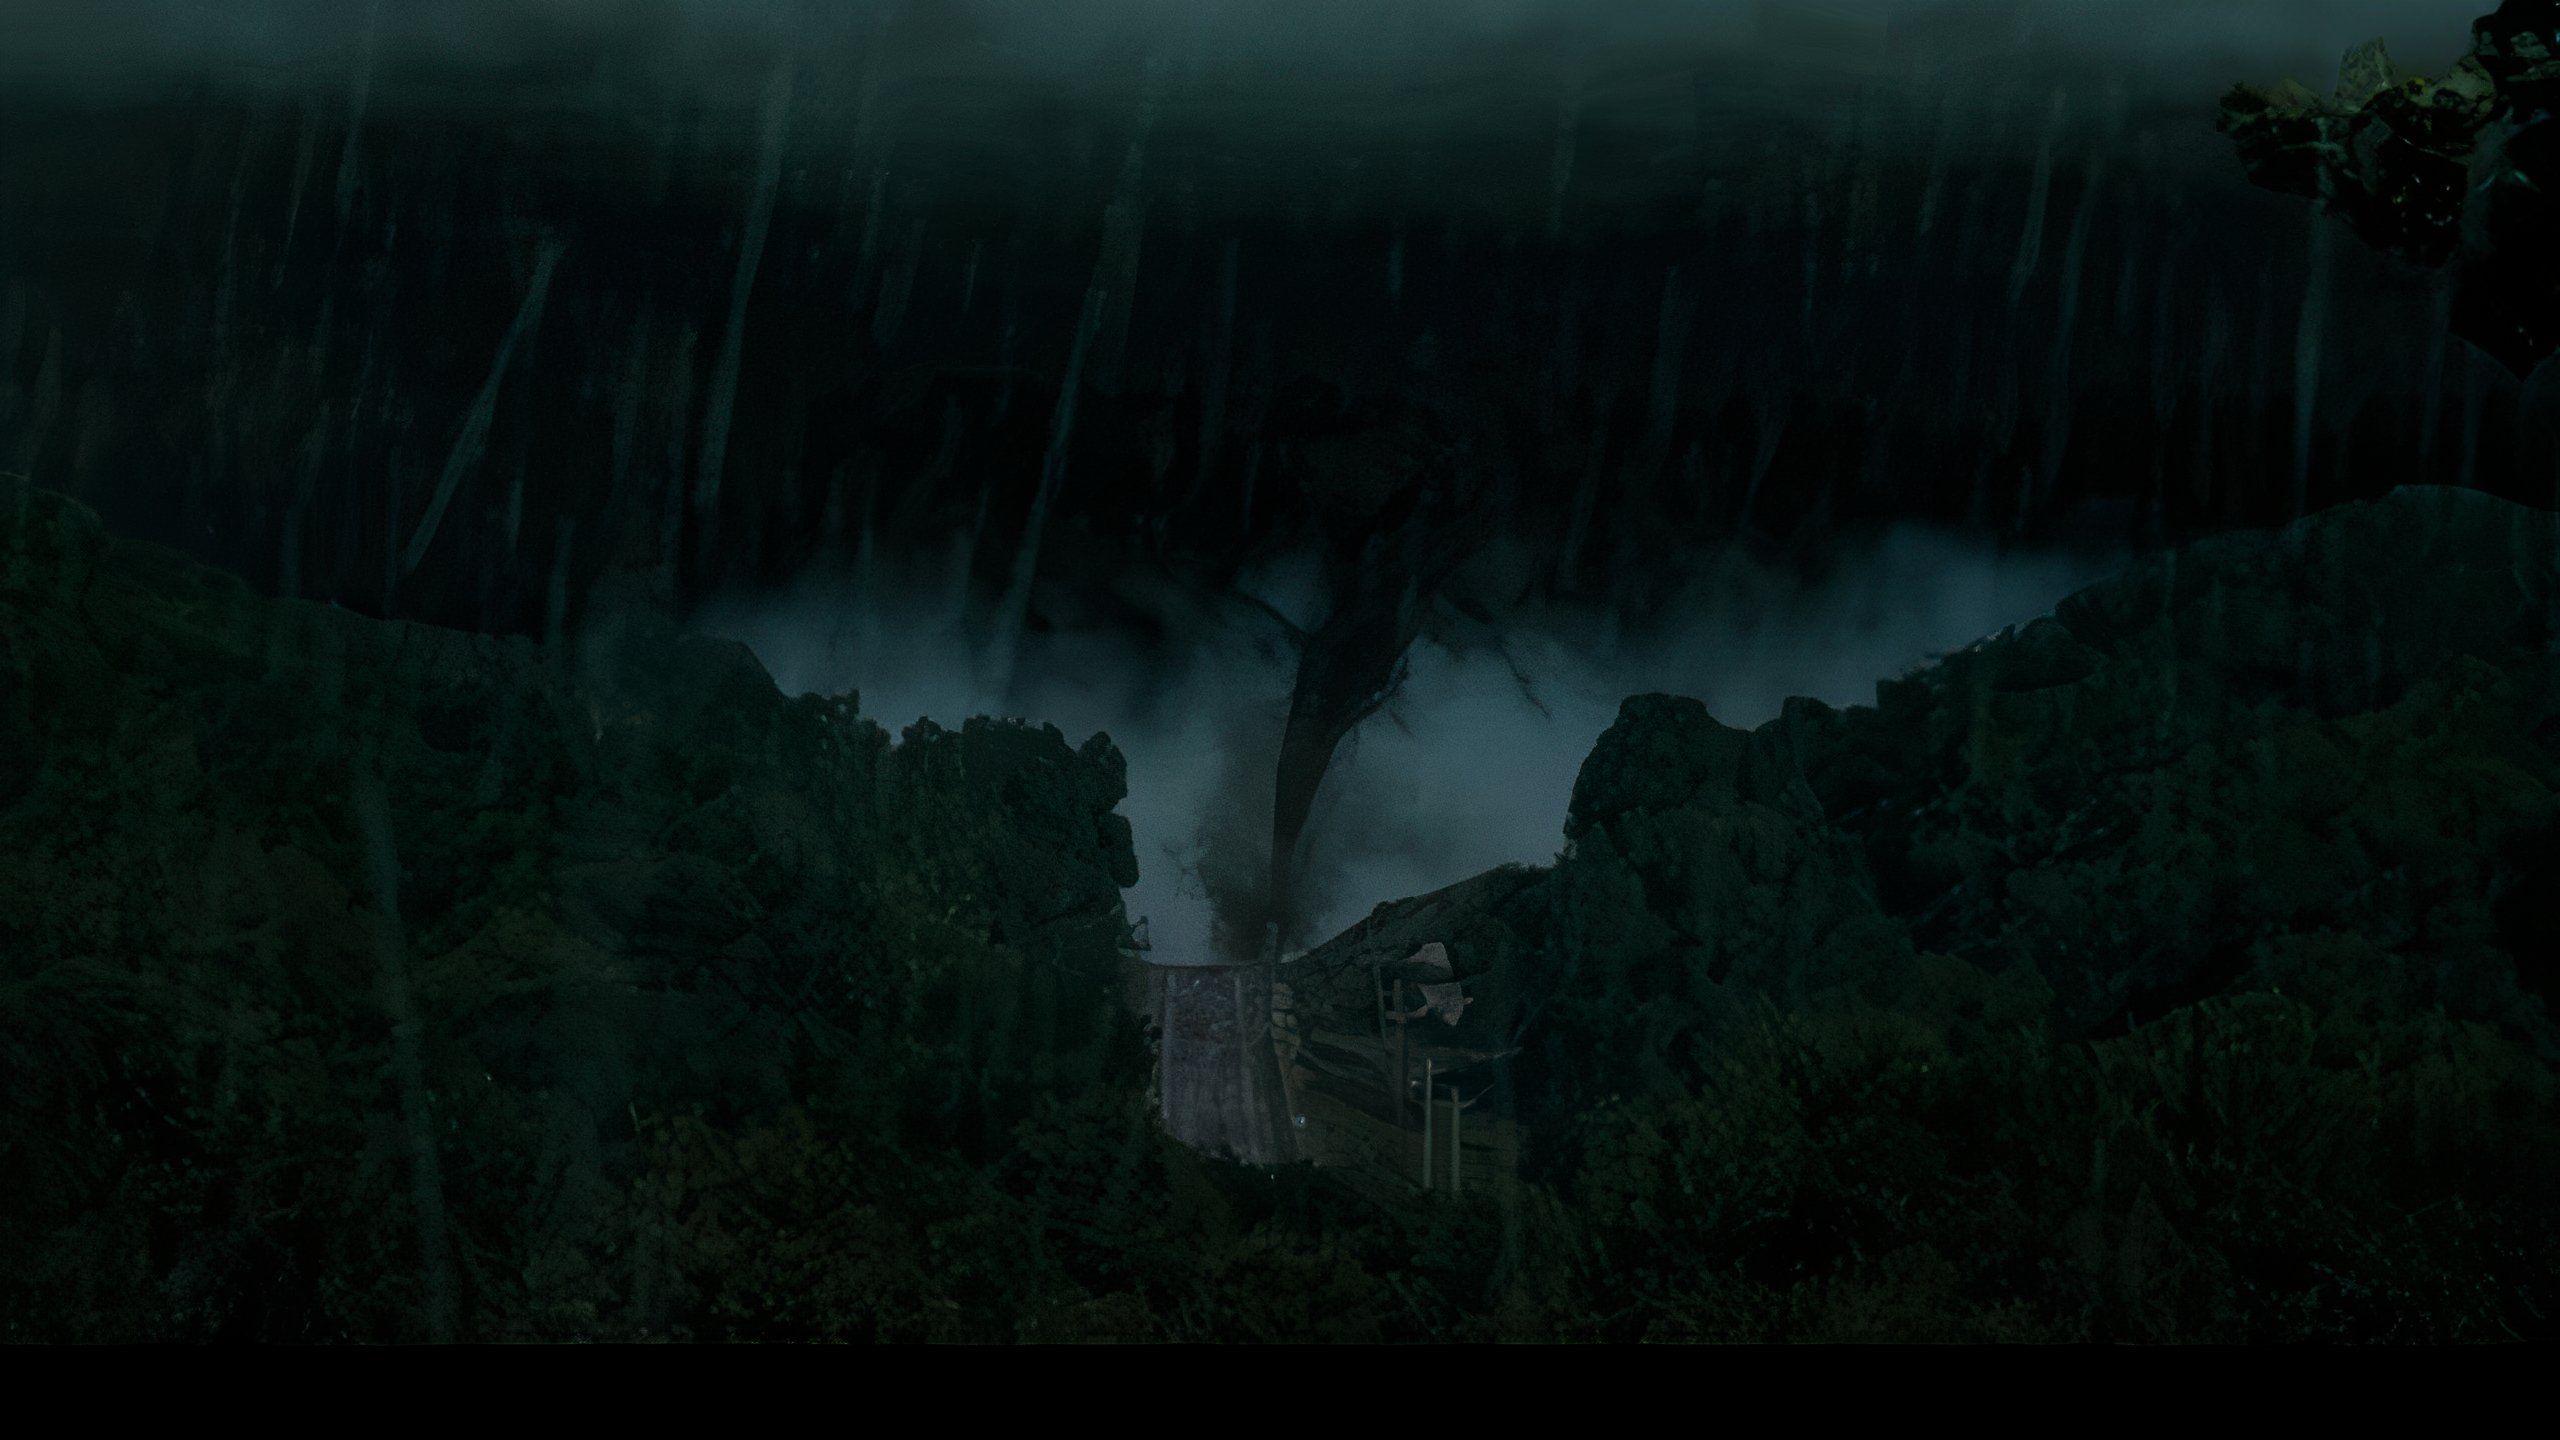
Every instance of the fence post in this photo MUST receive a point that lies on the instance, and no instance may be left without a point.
(1457, 1157)
(1427, 1067)
(1164, 1048)
(1404, 1067)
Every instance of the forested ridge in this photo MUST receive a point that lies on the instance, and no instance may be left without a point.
(2174, 968)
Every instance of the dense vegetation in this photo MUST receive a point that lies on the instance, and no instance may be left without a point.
(2171, 969)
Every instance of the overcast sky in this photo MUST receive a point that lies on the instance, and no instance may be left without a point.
(155, 42)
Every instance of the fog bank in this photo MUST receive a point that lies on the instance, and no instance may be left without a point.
(1469, 767)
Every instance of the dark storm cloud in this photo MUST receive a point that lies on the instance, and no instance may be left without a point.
(1446, 108)
(156, 42)
(1306, 84)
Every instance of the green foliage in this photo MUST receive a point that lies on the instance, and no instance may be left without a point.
(2155, 972)
(2166, 971)
(2244, 1170)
